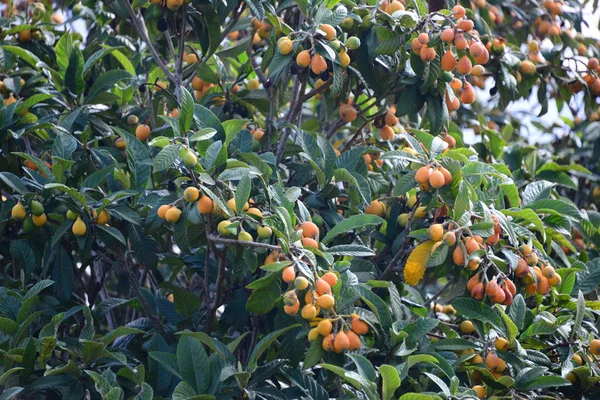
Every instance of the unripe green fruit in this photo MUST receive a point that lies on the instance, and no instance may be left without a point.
(37, 208)
(222, 228)
(189, 159)
(403, 219)
(447, 76)
(264, 232)
(244, 236)
(367, 23)
(318, 220)
(72, 215)
(77, 8)
(353, 43)
(28, 224)
(347, 23)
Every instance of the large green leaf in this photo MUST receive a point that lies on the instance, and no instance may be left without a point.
(353, 222)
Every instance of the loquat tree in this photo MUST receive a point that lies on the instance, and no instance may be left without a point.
(266, 199)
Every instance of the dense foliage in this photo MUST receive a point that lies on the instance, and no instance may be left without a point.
(277, 200)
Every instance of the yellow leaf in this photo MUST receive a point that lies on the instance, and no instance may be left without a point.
(416, 263)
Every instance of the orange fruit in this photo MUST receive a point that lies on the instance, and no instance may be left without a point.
(330, 278)
(289, 274)
(468, 94)
(309, 229)
(322, 287)
(359, 326)
(326, 301)
(458, 256)
(303, 58)
(329, 31)
(142, 132)
(341, 342)
(348, 113)
(318, 65)
(458, 11)
(436, 179)
(324, 327)
(162, 210)
(355, 343)
(447, 35)
(464, 65)
(292, 310)
(448, 62)
(387, 133)
(376, 208)
(205, 205)
(422, 174)
(328, 342)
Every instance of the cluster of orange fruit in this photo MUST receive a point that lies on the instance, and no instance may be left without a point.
(434, 177)
(501, 291)
(371, 158)
(338, 335)
(540, 277)
(386, 124)
(549, 24)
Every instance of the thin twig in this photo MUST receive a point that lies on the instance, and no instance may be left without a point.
(214, 238)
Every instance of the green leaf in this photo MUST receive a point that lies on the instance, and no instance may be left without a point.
(117, 333)
(23, 54)
(186, 114)
(541, 382)
(166, 360)
(377, 305)
(13, 182)
(242, 193)
(511, 327)
(166, 157)
(106, 81)
(232, 128)
(390, 381)
(477, 310)
(193, 363)
(264, 344)
(581, 309)
(528, 216)
(353, 222)
(203, 134)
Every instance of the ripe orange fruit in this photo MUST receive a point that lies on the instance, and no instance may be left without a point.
(348, 113)
(478, 71)
(292, 310)
(309, 229)
(328, 342)
(205, 205)
(447, 35)
(376, 208)
(548, 272)
(499, 296)
(191, 194)
(289, 274)
(422, 174)
(543, 286)
(416, 46)
(447, 175)
(303, 58)
(448, 62)
(395, 5)
(458, 11)
(142, 132)
(326, 301)
(494, 362)
(322, 287)
(355, 343)
(480, 391)
(285, 46)
(324, 327)
(478, 292)
(455, 84)
(474, 280)
(387, 133)
(593, 63)
(452, 104)
(464, 65)
(341, 342)
(460, 42)
(162, 210)
(436, 179)
(309, 242)
(436, 232)
(329, 31)
(173, 214)
(427, 54)
(359, 326)
(391, 119)
(555, 280)
(468, 95)
(423, 38)
(595, 347)
(318, 65)
(330, 278)
(458, 256)
(465, 25)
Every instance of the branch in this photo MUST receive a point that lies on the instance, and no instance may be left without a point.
(218, 293)
(218, 239)
(140, 27)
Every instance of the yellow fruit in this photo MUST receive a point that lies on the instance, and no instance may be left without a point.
(253, 84)
(174, 4)
(328, 342)
(103, 217)
(403, 219)
(313, 334)
(244, 236)
(39, 220)
(18, 212)
(480, 391)
(467, 327)
(309, 312)
(222, 228)
(285, 46)
(191, 194)
(501, 344)
(344, 59)
(255, 211)
(436, 232)
(495, 363)
(293, 309)
(326, 301)
(421, 212)
(301, 283)
(173, 214)
(376, 208)
(79, 228)
(324, 328)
